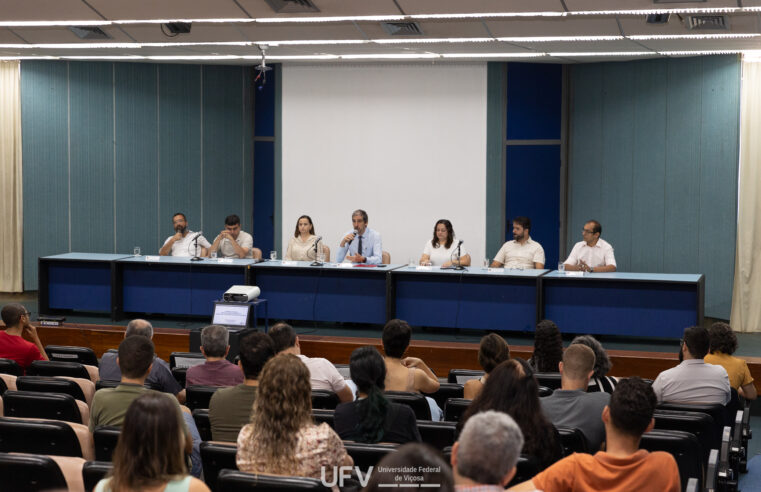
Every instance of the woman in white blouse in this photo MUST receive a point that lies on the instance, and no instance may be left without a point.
(442, 249)
(301, 245)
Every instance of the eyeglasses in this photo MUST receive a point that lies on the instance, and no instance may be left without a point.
(587, 231)
(28, 314)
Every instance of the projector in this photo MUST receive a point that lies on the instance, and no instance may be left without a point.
(242, 293)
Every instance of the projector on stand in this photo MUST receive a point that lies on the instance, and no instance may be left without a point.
(241, 293)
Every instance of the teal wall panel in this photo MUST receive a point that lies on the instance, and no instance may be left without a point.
(653, 153)
(247, 159)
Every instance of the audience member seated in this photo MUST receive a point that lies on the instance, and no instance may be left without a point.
(414, 465)
(160, 376)
(693, 381)
(372, 418)
(323, 374)
(571, 405)
(230, 408)
(492, 351)
(149, 455)
(217, 370)
(600, 380)
(281, 438)
(485, 455)
(622, 467)
(723, 344)
(548, 347)
(512, 389)
(12, 346)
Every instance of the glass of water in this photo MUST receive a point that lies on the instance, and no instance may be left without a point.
(411, 263)
(136, 251)
(561, 266)
(213, 255)
(273, 255)
(486, 263)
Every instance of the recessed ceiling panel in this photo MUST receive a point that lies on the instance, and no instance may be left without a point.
(198, 33)
(432, 29)
(739, 23)
(46, 10)
(43, 35)
(167, 9)
(328, 8)
(277, 32)
(412, 7)
(554, 27)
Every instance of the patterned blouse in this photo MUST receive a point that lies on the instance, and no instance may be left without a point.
(317, 446)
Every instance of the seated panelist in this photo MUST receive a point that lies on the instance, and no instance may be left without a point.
(301, 247)
(183, 242)
(593, 254)
(522, 252)
(362, 244)
(234, 243)
(442, 249)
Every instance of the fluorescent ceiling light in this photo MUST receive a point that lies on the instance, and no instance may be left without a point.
(432, 40)
(493, 55)
(348, 18)
(490, 15)
(297, 57)
(60, 23)
(547, 39)
(237, 20)
(698, 53)
(654, 37)
(716, 10)
(312, 41)
(602, 53)
(394, 56)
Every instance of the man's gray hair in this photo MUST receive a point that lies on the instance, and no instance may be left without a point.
(490, 444)
(139, 327)
(214, 340)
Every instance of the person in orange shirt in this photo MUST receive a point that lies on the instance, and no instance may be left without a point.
(623, 466)
(723, 344)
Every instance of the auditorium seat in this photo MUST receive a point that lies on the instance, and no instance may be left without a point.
(437, 434)
(548, 379)
(54, 437)
(185, 359)
(54, 406)
(324, 399)
(454, 409)
(236, 481)
(692, 485)
(56, 368)
(107, 383)
(199, 396)
(93, 472)
(66, 353)
(216, 456)
(698, 423)
(461, 376)
(416, 401)
(203, 424)
(105, 439)
(35, 472)
(712, 471)
(683, 446)
(447, 391)
(366, 455)
(326, 251)
(573, 441)
(320, 415)
(545, 391)
(44, 384)
(727, 476)
(526, 468)
(180, 375)
(715, 410)
(7, 382)
(10, 366)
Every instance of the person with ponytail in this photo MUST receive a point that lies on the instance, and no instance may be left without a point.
(371, 417)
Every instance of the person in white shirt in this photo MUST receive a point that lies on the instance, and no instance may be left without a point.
(183, 243)
(442, 249)
(592, 254)
(234, 243)
(305, 245)
(522, 252)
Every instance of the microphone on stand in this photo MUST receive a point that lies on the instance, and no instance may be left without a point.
(459, 264)
(316, 262)
(195, 247)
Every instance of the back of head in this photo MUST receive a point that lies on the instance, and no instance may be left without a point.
(396, 338)
(12, 314)
(578, 362)
(255, 349)
(283, 336)
(500, 389)
(631, 406)
(697, 340)
(135, 356)
(490, 444)
(722, 338)
(492, 351)
(602, 361)
(214, 340)
(548, 347)
(368, 372)
(420, 465)
(150, 447)
(139, 327)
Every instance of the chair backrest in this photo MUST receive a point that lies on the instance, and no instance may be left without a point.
(715, 410)
(447, 391)
(185, 359)
(712, 471)
(40, 437)
(343, 370)
(216, 456)
(683, 446)
(437, 434)
(321, 415)
(366, 455)
(525, 469)
(416, 401)
(10, 366)
(572, 440)
(385, 257)
(93, 472)
(30, 473)
(31, 404)
(201, 418)
(105, 439)
(67, 353)
(235, 481)
(3, 386)
(692, 485)
(57, 368)
(454, 409)
(180, 375)
(545, 391)
(548, 379)
(461, 376)
(44, 384)
(326, 250)
(324, 399)
(698, 423)
(198, 396)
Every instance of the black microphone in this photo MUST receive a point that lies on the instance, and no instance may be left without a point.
(195, 247)
(459, 264)
(316, 262)
(319, 238)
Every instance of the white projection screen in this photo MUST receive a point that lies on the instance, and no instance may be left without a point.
(405, 142)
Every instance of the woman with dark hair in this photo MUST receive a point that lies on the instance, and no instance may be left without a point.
(548, 347)
(372, 418)
(149, 455)
(512, 389)
(492, 351)
(282, 438)
(600, 380)
(301, 246)
(723, 344)
(442, 249)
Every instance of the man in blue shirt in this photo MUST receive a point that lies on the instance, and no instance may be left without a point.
(362, 245)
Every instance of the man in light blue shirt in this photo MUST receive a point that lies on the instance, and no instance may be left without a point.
(362, 245)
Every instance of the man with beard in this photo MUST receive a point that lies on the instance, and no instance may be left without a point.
(183, 242)
(522, 252)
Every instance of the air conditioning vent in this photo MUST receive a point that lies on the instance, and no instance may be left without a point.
(713, 22)
(292, 6)
(89, 32)
(402, 28)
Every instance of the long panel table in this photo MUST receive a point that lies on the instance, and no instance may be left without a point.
(500, 299)
(621, 303)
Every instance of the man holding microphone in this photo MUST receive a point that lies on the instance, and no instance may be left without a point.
(362, 245)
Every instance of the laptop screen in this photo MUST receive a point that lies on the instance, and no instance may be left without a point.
(230, 314)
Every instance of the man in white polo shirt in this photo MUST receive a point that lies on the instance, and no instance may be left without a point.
(522, 252)
(592, 254)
